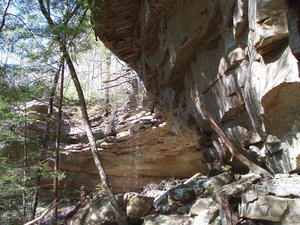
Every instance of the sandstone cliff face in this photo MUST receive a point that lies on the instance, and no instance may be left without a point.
(237, 57)
(135, 148)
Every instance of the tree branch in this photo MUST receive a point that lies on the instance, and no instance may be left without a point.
(4, 15)
(71, 14)
(251, 165)
(115, 79)
(42, 215)
(101, 89)
(19, 18)
(45, 13)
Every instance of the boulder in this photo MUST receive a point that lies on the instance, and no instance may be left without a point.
(269, 208)
(174, 198)
(98, 211)
(213, 183)
(137, 206)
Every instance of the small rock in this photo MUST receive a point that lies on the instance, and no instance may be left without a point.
(183, 209)
(217, 181)
(123, 135)
(106, 145)
(167, 220)
(183, 195)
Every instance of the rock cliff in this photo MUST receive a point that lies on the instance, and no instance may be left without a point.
(237, 57)
(136, 148)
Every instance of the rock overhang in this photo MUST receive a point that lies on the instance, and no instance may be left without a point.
(229, 55)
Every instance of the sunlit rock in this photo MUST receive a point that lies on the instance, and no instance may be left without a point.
(137, 206)
(204, 211)
(167, 220)
(237, 57)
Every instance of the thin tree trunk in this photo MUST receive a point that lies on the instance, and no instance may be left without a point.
(4, 16)
(44, 149)
(92, 86)
(252, 166)
(57, 145)
(134, 93)
(107, 100)
(25, 156)
(119, 213)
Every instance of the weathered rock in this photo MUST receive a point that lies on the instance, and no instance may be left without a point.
(275, 200)
(98, 211)
(268, 208)
(292, 217)
(167, 220)
(184, 195)
(37, 106)
(175, 198)
(237, 57)
(137, 155)
(235, 189)
(285, 186)
(213, 183)
(137, 206)
(204, 211)
(252, 199)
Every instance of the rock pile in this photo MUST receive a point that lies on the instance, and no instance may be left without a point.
(219, 200)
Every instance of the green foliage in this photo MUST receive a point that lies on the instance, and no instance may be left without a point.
(32, 60)
(10, 192)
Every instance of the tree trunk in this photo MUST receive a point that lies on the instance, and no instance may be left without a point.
(119, 213)
(57, 144)
(44, 149)
(25, 156)
(108, 63)
(133, 98)
(252, 166)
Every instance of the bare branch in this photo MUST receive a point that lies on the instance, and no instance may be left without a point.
(101, 89)
(115, 79)
(19, 18)
(4, 15)
(71, 14)
(45, 12)
(43, 215)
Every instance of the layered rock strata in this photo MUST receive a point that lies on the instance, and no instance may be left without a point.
(237, 57)
(136, 149)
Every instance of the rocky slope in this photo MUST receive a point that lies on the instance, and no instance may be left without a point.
(221, 199)
(237, 57)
